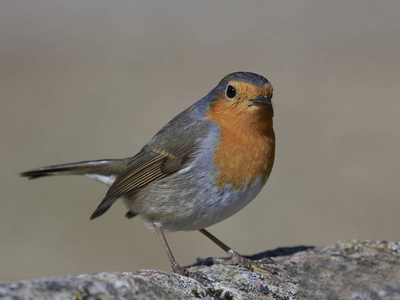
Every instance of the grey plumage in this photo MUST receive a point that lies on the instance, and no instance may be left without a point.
(158, 183)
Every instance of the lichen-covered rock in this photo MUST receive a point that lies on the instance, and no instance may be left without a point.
(347, 270)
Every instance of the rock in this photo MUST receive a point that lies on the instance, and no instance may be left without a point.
(346, 270)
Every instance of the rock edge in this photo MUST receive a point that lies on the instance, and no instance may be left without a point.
(347, 270)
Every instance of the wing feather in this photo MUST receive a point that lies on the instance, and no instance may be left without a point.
(139, 172)
(169, 151)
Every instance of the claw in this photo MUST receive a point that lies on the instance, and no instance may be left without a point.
(237, 259)
(200, 277)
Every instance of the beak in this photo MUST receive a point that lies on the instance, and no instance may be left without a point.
(261, 100)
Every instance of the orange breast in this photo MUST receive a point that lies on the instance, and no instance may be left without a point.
(247, 147)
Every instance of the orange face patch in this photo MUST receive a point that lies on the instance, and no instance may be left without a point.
(247, 147)
(247, 90)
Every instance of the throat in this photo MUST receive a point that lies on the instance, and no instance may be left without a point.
(246, 150)
(242, 158)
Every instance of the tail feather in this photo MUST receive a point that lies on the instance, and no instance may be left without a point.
(104, 167)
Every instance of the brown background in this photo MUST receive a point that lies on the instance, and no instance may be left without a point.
(92, 79)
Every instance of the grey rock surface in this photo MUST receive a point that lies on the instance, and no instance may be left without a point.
(346, 270)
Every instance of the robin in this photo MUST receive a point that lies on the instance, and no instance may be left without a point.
(205, 165)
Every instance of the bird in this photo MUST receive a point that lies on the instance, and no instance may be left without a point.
(202, 167)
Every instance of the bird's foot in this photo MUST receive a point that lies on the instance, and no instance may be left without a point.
(241, 261)
(200, 277)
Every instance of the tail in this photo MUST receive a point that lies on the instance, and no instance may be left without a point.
(94, 169)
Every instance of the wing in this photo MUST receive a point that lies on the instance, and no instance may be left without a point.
(145, 168)
(168, 152)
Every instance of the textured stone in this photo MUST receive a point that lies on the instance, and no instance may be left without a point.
(346, 270)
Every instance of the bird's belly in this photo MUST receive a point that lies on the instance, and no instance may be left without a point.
(188, 204)
(222, 204)
(194, 197)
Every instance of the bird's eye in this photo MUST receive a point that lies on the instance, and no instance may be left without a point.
(230, 92)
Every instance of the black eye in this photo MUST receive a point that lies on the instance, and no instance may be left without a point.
(230, 92)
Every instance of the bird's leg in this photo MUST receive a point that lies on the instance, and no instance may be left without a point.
(236, 258)
(175, 266)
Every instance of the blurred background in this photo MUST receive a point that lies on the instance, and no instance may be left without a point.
(85, 80)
